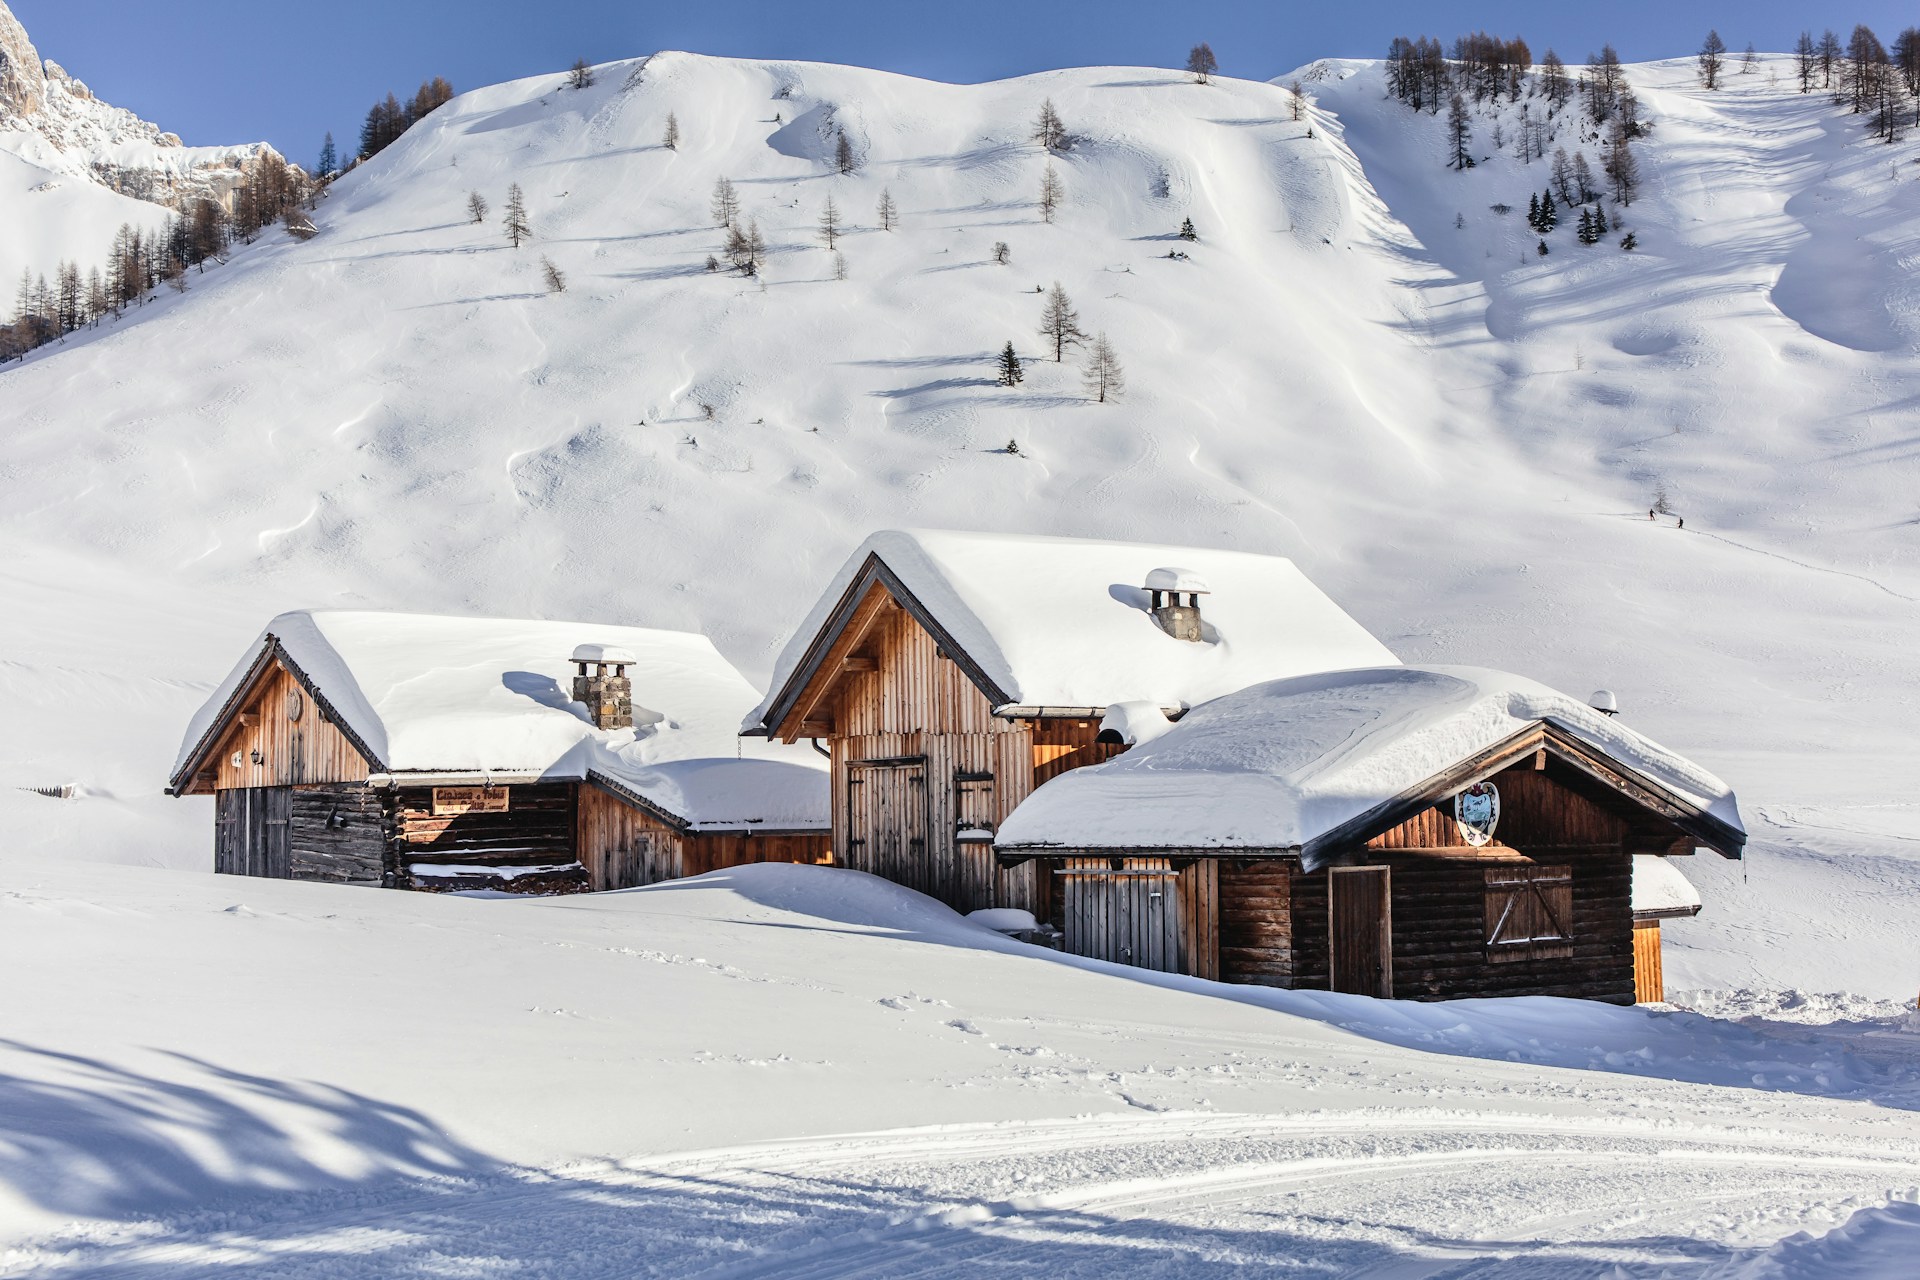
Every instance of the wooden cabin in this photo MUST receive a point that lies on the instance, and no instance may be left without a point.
(1401, 832)
(949, 674)
(440, 753)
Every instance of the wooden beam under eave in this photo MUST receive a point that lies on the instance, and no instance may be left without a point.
(860, 662)
(827, 681)
(816, 728)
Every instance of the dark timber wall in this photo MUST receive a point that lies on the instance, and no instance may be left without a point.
(537, 829)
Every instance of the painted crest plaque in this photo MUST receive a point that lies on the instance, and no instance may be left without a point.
(1477, 812)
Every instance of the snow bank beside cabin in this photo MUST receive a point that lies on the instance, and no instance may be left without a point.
(1279, 764)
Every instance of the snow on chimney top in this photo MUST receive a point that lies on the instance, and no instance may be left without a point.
(1175, 594)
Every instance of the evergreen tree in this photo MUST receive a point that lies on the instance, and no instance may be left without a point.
(1060, 323)
(1549, 218)
(1186, 230)
(1010, 374)
(476, 207)
(515, 222)
(1533, 212)
(1052, 192)
(1712, 58)
(1201, 63)
(1543, 248)
(1048, 130)
(329, 159)
(671, 138)
(887, 210)
(580, 75)
(1458, 132)
(1630, 242)
(830, 223)
(1103, 377)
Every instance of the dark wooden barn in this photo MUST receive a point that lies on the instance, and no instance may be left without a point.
(1416, 833)
(950, 674)
(442, 753)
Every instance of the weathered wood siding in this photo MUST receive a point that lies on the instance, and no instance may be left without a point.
(1144, 912)
(924, 773)
(1649, 983)
(537, 829)
(622, 847)
(338, 832)
(250, 835)
(1256, 922)
(292, 751)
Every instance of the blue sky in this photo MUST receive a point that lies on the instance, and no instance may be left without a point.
(226, 71)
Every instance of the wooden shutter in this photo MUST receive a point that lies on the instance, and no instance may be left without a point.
(1529, 913)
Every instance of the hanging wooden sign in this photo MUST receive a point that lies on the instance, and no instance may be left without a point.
(1476, 811)
(458, 800)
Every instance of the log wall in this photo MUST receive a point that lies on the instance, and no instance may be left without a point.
(537, 829)
(338, 833)
(293, 751)
(1256, 923)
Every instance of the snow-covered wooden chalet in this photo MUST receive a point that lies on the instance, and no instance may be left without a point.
(458, 753)
(949, 674)
(1411, 832)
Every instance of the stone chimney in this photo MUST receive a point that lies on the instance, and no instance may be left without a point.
(1174, 596)
(609, 697)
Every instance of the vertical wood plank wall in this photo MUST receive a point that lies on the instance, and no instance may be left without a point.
(293, 752)
(623, 847)
(916, 705)
(1143, 912)
(1649, 984)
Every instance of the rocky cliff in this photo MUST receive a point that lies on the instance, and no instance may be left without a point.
(52, 120)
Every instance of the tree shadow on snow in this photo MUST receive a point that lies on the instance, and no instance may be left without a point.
(209, 1172)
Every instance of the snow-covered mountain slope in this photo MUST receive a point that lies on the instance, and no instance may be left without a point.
(1458, 441)
(795, 1071)
(74, 168)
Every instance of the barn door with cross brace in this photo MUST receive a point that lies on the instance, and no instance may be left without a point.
(1360, 924)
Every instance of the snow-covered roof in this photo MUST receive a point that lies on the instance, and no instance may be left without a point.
(1284, 763)
(1064, 622)
(430, 694)
(1662, 889)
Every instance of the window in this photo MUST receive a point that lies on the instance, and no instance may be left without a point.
(1529, 913)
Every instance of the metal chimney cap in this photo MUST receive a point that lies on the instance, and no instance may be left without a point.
(1604, 702)
(1176, 579)
(603, 653)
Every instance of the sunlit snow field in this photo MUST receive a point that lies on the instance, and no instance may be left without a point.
(1361, 365)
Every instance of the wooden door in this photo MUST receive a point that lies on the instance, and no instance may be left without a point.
(251, 831)
(1360, 930)
(887, 822)
(1127, 915)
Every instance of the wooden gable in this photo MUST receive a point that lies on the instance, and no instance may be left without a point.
(275, 732)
